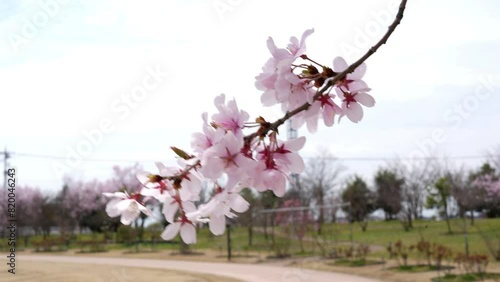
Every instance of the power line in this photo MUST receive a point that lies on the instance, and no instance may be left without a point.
(38, 156)
(41, 156)
(397, 158)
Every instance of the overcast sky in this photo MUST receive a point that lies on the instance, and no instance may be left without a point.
(69, 69)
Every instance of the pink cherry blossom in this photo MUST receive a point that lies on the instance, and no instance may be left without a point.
(309, 117)
(277, 79)
(330, 109)
(170, 208)
(158, 187)
(190, 186)
(187, 230)
(351, 104)
(183, 225)
(286, 157)
(270, 178)
(298, 93)
(490, 185)
(229, 116)
(323, 107)
(172, 205)
(225, 201)
(226, 157)
(297, 48)
(122, 204)
(352, 81)
(276, 161)
(154, 184)
(202, 141)
(265, 82)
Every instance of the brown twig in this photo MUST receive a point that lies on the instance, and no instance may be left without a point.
(274, 126)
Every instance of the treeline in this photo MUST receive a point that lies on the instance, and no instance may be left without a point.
(400, 190)
(78, 205)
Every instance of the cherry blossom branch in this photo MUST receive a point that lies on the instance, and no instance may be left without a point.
(177, 178)
(223, 150)
(266, 127)
(338, 76)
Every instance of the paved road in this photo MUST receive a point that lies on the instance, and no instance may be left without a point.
(244, 272)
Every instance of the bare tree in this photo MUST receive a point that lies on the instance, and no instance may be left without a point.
(321, 175)
(469, 197)
(418, 175)
(335, 202)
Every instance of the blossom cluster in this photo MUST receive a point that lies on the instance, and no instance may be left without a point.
(227, 159)
(491, 186)
(291, 84)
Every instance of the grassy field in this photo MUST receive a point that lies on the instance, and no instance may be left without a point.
(379, 235)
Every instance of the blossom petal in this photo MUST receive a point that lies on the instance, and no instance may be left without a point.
(111, 209)
(169, 210)
(340, 94)
(171, 231)
(358, 73)
(268, 98)
(358, 86)
(339, 64)
(312, 125)
(238, 203)
(328, 116)
(305, 35)
(296, 144)
(354, 113)
(296, 163)
(365, 99)
(130, 214)
(217, 224)
(188, 233)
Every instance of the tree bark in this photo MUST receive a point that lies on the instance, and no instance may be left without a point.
(447, 217)
(472, 218)
(250, 235)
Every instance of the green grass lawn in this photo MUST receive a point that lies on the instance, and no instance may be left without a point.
(385, 232)
(380, 234)
(467, 277)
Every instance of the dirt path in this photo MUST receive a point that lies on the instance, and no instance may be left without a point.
(41, 271)
(243, 272)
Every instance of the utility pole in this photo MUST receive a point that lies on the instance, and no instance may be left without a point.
(293, 134)
(228, 228)
(6, 156)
